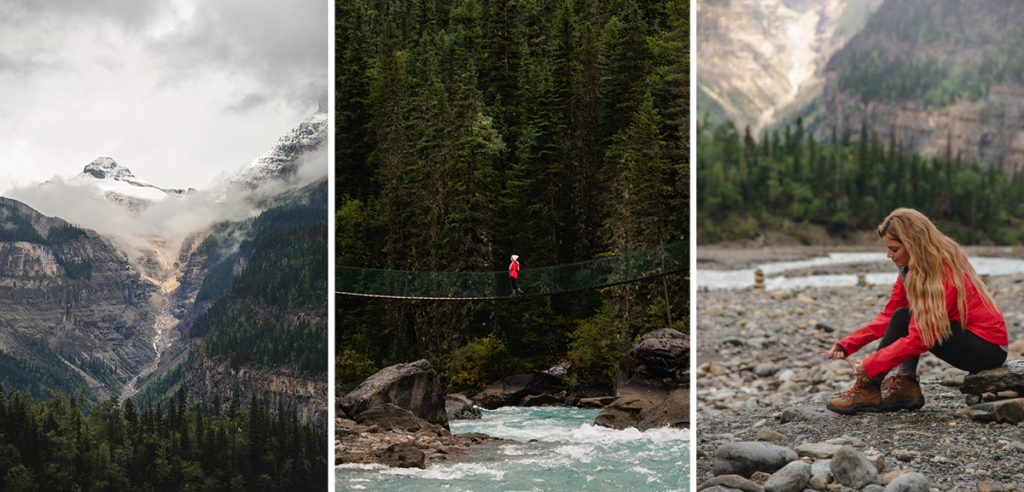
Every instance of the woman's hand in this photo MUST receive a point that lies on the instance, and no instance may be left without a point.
(836, 353)
(858, 370)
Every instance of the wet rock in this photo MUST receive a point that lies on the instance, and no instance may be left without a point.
(656, 391)
(404, 456)
(873, 488)
(852, 469)
(389, 416)
(459, 407)
(745, 458)
(1011, 411)
(791, 478)
(731, 482)
(511, 390)
(598, 402)
(909, 482)
(541, 400)
(414, 387)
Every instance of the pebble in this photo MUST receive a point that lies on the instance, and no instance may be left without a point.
(791, 478)
(777, 378)
(852, 469)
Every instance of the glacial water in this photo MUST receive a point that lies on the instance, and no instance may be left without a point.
(744, 278)
(571, 455)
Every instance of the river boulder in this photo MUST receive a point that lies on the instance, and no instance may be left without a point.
(414, 387)
(652, 386)
(513, 390)
(459, 407)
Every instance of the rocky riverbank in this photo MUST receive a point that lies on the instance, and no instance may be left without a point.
(758, 379)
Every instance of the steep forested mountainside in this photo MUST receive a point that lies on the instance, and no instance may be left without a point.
(73, 310)
(263, 327)
(762, 63)
(471, 131)
(943, 78)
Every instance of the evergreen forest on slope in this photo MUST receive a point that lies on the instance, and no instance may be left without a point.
(471, 130)
(934, 52)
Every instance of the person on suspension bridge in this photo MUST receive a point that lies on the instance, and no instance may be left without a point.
(513, 275)
(938, 305)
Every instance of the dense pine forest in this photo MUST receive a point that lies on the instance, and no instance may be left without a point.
(470, 130)
(48, 444)
(846, 184)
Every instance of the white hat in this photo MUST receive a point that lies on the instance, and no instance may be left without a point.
(515, 257)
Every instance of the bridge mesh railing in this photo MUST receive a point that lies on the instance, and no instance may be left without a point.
(548, 280)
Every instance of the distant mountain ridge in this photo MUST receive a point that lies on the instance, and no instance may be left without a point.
(283, 160)
(936, 76)
(761, 62)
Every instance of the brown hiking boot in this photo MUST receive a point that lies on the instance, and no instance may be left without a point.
(864, 396)
(903, 392)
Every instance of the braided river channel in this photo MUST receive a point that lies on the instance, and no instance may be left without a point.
(569, 454)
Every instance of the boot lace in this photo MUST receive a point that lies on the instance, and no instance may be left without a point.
(850, 392)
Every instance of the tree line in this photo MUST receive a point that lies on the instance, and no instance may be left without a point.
(849, 183)
(470, 130)
(54, 443)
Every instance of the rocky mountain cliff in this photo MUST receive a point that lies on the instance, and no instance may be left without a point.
(85, 308)
(938, 76)
(991, 129)
(759, 61)
(307, 395)
(74, 298)
(283, 161)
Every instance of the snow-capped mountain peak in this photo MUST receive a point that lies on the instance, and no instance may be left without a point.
(283, 160)
(106, 167)
(116, 183)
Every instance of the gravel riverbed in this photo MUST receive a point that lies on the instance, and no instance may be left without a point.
(754, 356)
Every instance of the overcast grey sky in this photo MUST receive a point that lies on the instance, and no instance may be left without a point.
(178, 91)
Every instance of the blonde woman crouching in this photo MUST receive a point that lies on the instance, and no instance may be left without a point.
(938, 305)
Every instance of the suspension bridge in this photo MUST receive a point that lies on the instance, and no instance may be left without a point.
(542, 281)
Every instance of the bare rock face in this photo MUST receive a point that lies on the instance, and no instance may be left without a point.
(99, 322)
(307, 395)
(653, 384)
(991, 129)
(414, 387)
(760, 59)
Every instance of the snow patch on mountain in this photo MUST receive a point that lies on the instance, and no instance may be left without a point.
(284, 161)
(116, 183)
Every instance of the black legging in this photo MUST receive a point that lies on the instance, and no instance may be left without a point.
(963, 350)
(514, 287)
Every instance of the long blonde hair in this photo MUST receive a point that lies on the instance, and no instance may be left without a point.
(928, 248)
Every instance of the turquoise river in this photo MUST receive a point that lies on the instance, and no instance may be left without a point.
(571, 454)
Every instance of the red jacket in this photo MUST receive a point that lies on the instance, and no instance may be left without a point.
(981, 320)
(513, 269)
